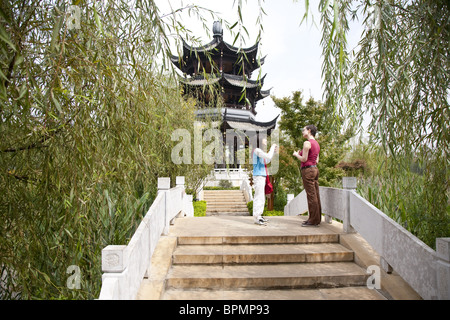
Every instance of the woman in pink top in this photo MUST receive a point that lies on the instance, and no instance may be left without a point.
(309, 157)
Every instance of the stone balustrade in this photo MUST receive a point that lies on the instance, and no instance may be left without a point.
(426, 271)
(124, 266)
(247, 189)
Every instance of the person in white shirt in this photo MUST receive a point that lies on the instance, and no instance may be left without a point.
(259, 179)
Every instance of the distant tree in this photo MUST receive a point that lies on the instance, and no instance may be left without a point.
(295, 115)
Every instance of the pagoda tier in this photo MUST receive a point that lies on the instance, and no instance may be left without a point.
(242, 120)
(234, 125)
(225, 67)
(232, 87)
(224, 57)
(231, 121)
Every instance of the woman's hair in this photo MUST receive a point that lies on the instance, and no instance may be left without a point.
(312, 128)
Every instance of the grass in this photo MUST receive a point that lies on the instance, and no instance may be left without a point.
(273, 213)
(266, 212)
(199, 208)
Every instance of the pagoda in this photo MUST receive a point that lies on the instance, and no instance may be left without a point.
(228, 69)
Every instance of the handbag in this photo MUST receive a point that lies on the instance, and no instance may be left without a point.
(268, 189)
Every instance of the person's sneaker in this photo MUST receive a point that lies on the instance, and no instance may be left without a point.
(264, 219)
(260, 222)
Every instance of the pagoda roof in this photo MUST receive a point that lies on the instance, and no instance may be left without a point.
(228, 79)
(220, 44)
(236, 119)
(233, 80)
(216, 46)
(230, 122)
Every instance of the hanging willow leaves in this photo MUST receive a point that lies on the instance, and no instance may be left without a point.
(399, 78)
(85, 125)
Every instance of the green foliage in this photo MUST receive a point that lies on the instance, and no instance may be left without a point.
(399, 73)
(273, 213)
(280, 198)
(399, 187)
(225, 184)
(86, 122)
(398, 77)
(250, 207)
(221, 188)
(199, 208)
(277, 212)
(295, 115)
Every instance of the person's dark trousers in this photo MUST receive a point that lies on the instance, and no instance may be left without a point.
(310, 177)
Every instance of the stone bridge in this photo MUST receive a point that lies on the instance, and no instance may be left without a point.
(356, 253)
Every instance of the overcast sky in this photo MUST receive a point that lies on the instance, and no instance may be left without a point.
(293, 51)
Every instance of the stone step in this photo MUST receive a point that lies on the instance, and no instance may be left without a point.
(225, 199)
(231, 258)
(223, 191)
(226, 208)
(312, 237)
(214, 193)
(269, 276)
(222, 195)
(226, 213)
(271, 253)
(344, 293)
(226, 204)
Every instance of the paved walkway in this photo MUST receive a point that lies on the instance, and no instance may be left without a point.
(229, 226)
(232, 229)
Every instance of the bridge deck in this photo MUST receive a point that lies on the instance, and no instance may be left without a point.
(228, 230)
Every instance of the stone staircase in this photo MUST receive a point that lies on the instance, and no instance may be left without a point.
(308, 265)
(225, 202)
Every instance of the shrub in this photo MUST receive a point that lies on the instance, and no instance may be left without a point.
(225, 184)
(250, 207)
(199, 208)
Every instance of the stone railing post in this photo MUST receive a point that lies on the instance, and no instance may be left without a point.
(290, 197)
(443, 268)
(180, 181)
(349, 185)
(188, 209)
(114, 259)
(163, 187)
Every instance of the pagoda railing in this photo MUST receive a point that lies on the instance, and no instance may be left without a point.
(238, 106)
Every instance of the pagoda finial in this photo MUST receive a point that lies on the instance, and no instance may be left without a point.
(217, 30)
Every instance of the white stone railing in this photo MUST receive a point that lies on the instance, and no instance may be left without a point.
(247, 189)
(426, 271)
(235, 176)
(124, 266)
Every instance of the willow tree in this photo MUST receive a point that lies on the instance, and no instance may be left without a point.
(398, 76)
(87, 108)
